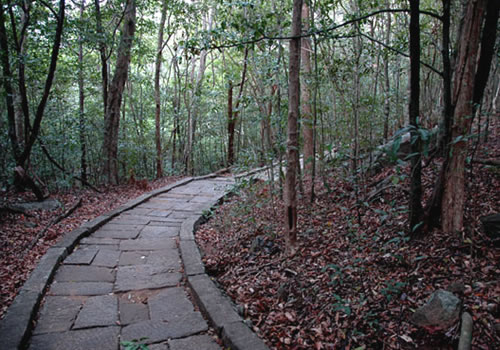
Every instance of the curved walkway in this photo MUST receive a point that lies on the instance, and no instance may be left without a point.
(126, 280)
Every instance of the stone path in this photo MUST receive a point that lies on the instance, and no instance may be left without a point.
(126, 280)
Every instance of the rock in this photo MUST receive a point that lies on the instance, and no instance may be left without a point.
(48, 204)
(441, 311)
(465, 332)
(257, 244)
(491, 226)
(457, 287)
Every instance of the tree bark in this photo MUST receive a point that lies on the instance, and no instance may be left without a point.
(112, 119)
(81, 98)
(103, 56)
(306, 110)
(22, 153)
(290, 193)
(415, 203)
(159, 50)
(232, 115)
(464, 96)
(230, 125)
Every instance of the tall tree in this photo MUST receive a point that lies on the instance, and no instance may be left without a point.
(102, 54)
(290, 193)
(81, 100)
(22, 152)
(415, 203)
(471, 73)
(159, 51)
(112, 118)
(305, 103)
(232, 115)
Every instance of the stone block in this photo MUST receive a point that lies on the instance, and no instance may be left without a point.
(80, 288)
(71, 273)
(238, 336)
(203, 341)
(191, 258)
(98, 311)
(144, 277)
(212, 303)
(58, 314)
(104, 338)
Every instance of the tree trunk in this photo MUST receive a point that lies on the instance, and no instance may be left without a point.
(230, 125)
(293, 115)
(464, 96)
(159, 50)
(22, 154)
(387, 81)
(415, 203)
(233, 115)
(306, 110)
(112, 119)
(81, 95)
(103, 55)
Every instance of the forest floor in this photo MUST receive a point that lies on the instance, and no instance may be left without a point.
(20, 231)
(356, 277)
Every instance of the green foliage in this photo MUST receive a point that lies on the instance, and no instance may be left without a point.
(135, 344)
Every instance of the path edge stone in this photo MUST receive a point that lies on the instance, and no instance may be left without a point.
(17, 324)
(218, 308)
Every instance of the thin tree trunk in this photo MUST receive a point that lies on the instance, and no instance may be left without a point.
(233, 115)
(83, 144)
(415, 203)
(103, 56)
(293, 116)
(112, 120)
(230, 125)
(306, 110)
(387, 81)
(159, 50)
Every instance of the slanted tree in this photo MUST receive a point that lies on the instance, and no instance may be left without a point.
(112, 117)
(290, 191)
(22, 148)
(471, 73)
(415, 203)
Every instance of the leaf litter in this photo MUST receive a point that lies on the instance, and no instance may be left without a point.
(356, 277)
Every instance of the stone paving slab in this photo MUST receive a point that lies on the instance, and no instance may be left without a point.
(81, 288)
(98, 311)
(71, 273)
(81, 256)
(158, 331)
(139, 277)
(147, 244)
(152, 232)
(204, 342)
(87, 339)
(169, 304)
(119, 234)
(106, 258)
(132, 312)
(58, 314)
(100, 241)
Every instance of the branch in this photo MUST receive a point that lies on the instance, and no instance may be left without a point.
(53, 161)
(52, 223)
(401, 53)
(492, 162)
(314, 32)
